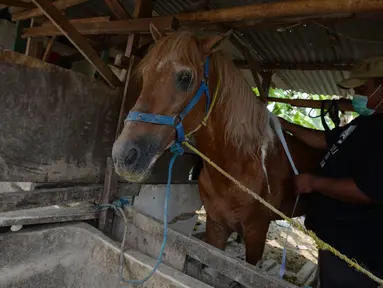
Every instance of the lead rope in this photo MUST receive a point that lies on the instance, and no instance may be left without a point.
(278, 130)
(119, 204)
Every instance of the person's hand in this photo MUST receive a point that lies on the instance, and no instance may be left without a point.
(304, 183)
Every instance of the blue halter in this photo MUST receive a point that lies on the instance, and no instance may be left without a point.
(176, 121)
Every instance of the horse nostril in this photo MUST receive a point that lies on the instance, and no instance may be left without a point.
(131, 157)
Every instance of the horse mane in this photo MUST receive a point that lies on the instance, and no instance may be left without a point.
(246, 119)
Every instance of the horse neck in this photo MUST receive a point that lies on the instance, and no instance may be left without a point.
(213, 141)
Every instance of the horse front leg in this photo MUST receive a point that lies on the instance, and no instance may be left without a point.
(217, 232)
(255, 232)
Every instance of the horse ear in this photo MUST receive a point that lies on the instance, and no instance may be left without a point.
(156, 34)
(215, 43)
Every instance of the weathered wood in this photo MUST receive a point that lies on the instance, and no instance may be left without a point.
(101, 19)
(105, 222)
(117, 9)
(243, 64)
(59, 4)
(18, 200)
(48, 215)
(167, 23)
(343, 104)
(10, 201)
(16, 3)
(63, 127)
(62, 23)
(281, 9)
(235, 269)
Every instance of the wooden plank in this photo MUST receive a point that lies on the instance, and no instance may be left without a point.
(61, 130)
(167, 23)
(62, 23)
(48, 215)
(16, 3)
(281, 9)
(117, 9)
(18, 200)
(59, 4)
(238, 270)
(343, 104)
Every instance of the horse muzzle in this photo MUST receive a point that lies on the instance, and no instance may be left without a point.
(134, 159)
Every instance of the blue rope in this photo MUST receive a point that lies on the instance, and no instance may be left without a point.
(177, 150)
(119, 203)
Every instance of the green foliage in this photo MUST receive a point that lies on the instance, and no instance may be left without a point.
(306, 117)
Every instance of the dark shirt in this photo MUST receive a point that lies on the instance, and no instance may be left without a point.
(355, 152)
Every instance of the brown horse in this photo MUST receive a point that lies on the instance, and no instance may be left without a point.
(238, 137)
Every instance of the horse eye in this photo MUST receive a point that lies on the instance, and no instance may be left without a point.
(184, 81)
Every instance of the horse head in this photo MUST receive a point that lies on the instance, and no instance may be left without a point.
(173, 72)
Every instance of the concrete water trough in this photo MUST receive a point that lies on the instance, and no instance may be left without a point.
(76, 255)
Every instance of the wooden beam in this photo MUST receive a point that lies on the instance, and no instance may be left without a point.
(80, 20)
(117, 9)
(343, 104)
(59, 4)
(62, 23)
(281, 9)
(48, 215)
(16, 3)
(243, 64)
(167, 23)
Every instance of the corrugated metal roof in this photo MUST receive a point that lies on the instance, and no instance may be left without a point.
(344, 41)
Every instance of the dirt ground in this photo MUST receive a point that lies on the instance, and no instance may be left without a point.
(300, 248)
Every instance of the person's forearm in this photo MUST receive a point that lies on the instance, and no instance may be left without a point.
(341, 189)
(311, 137)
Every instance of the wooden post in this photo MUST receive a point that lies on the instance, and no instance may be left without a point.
(62, 23)
(34, 46)
(266, 83)
(143, 8)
